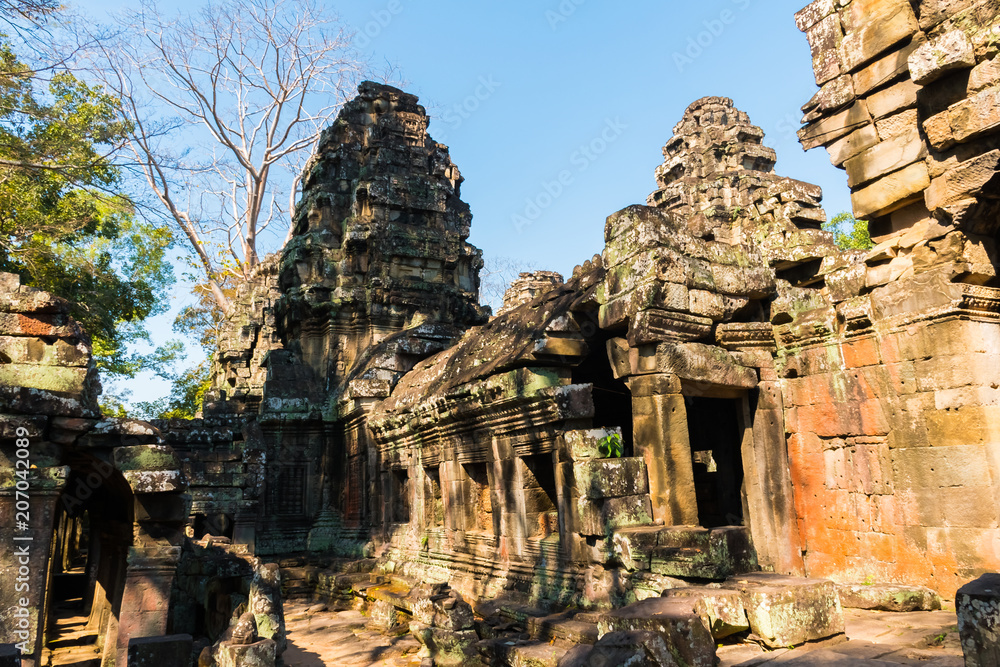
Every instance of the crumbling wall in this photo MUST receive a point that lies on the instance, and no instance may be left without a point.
(60, 459)
(888, 371)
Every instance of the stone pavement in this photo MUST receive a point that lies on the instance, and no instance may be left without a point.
(341, 638)
(874, 639)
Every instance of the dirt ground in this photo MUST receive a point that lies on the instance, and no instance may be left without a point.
(873, 639)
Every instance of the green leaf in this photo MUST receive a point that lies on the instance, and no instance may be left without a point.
(610, 446)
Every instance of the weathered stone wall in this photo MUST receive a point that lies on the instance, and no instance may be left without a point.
(59, 459)
(888, 371)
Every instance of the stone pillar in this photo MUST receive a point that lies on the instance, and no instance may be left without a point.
(767, 481)
(978, 606)
(24, 559)
(146, 599)
(661, 437)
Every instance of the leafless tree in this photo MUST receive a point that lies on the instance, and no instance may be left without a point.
(498, 273)
(17, 13)
(225, 107)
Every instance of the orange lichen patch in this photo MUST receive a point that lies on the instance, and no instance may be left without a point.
(861, 352)
(33, 326)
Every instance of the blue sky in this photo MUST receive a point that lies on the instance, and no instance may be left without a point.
(525, 90)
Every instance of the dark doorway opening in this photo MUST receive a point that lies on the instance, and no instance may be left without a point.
(716, 436)
(540, 495)
(92, 534)
(479, 514)
(400, 507)
(612, 398)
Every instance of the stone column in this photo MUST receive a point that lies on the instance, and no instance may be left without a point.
(24, 555)
(661, 438)
(146, 599)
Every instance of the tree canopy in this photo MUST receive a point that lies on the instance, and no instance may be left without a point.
(849, 233)
(65, 225)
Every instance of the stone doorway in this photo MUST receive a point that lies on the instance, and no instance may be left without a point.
(716, 434)
(92, 533)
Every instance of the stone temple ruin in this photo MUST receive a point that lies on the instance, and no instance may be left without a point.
(720, 424)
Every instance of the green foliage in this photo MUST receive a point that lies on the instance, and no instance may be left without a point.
(65, 226)
(610, 446)
(186, 395)
(848, 233)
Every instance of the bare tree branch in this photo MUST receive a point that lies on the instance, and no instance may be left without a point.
(218, 101)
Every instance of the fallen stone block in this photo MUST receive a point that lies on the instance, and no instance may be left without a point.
(258, 654)
(679, 622)
(530, 654)
(168, 651)
(631, 649)
(978, 606)
(448, 648)
(563, 626)
(724, 610)
(888, 597)
(787, 611)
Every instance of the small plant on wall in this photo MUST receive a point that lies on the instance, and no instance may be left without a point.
(610, 446)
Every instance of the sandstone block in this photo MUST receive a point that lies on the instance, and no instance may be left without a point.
(890, 192)
(724, 610)
(877, 34)
(852, 144)
(904, 122)
(945, 53)
(622, 648)
(846, 283)
(963, 182)
(610, 478)
(703, 363)
(786, 611)
(600, 517)
(704, 554)
(835, 94)
(933, 12)
(586, 444)
(901, 96)
(707, 304)
(826, 130)
(146, 457)
(885, 157)
(632, 546)
(813, 13)
(258, 654)
(938, 130)
(984, 75)
(824, 39)
(563, 626)
(677, 620)
(154, 481)
(977, 115)
(888, 597)
(978, 606)
(885, 69)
